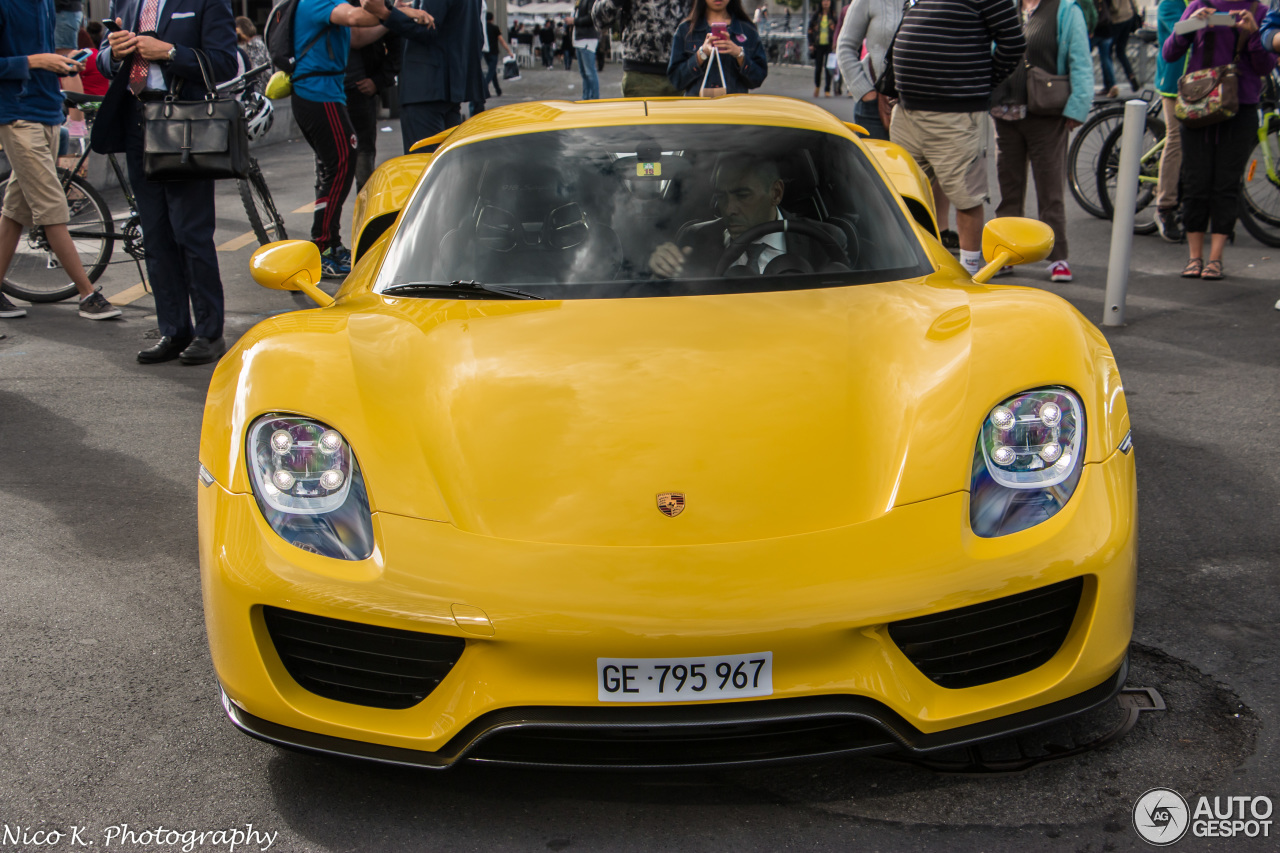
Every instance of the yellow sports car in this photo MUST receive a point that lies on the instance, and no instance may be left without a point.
(662, 433)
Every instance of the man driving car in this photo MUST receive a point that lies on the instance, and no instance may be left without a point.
(746, 194)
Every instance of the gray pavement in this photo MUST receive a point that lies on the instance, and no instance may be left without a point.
(108, 711)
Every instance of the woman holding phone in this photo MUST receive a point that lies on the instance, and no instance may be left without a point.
(717, 29)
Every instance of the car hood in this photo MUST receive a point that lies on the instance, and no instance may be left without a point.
(564, 421)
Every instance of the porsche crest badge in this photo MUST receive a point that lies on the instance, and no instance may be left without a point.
(671, 504)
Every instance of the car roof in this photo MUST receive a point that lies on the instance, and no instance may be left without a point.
(540, 116)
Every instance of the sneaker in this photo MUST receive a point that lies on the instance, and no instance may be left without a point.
(1059, 271)
(1168, 225)
(342, 253)
(9, 310)
(332, 263)
(950, 240)
(1007, 269)
(96, 307)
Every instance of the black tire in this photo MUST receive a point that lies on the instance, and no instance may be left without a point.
(1265, 232)
(1144, 221)
(35, 275)
(264, 219)
(1258, 191)
(1082, 157)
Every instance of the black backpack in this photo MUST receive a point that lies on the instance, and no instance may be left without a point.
(279, 38)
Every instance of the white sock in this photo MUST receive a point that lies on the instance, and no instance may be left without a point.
(971, 261)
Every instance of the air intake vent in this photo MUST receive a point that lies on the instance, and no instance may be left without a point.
(990, 641)
(358, 663)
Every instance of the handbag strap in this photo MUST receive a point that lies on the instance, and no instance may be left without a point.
(203, 62)
(723, 82)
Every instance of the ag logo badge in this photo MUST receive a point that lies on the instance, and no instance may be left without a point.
(671, 504)
(1161, 816)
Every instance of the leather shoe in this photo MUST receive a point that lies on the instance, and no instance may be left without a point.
(203, 351)
(166, 349)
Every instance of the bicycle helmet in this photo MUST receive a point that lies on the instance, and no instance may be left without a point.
(259, 115)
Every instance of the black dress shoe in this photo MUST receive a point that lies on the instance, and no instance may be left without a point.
(166, 349)
(203, 351)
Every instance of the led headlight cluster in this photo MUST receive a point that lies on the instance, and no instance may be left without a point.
(1028, 461)
(309, 487)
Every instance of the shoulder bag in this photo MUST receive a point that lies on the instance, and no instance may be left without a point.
(1047, 94)
(886, 83)
(205, 139)
(713, 91)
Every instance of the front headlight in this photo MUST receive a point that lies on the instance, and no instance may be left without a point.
(1027, 462)
(308, 485)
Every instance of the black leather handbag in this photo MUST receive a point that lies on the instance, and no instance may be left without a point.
(198, 140)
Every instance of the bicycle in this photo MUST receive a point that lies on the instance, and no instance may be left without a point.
(35, 274)
(1086, 147)
(1259, 194)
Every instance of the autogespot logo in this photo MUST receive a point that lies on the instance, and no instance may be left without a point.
(1160, 816)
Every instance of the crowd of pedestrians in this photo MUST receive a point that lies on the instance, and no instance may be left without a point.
(960, 70)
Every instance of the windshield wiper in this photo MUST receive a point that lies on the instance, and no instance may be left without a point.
(461, 286)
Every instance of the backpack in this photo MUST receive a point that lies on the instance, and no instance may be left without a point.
(279, 38)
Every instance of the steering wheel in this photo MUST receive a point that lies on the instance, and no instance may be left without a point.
(800, 226)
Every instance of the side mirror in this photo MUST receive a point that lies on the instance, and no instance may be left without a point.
(1013, 240)
(290, 265)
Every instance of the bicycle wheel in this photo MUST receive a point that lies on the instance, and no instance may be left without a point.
(35, 274)
(264, 219)
(1144, 220)
(1259, 189)
(1266, 233)
(1082, 157)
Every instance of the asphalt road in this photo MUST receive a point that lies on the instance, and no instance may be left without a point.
(108, 711)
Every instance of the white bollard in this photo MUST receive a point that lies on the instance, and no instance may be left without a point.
(1135, 122)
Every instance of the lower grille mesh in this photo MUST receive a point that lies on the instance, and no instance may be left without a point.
(993, 640)
(358, 663)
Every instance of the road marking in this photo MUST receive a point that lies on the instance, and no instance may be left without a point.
(309, 207)
(132, 294)
(238, 243)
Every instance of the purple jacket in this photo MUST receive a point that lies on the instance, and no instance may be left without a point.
(1253, 63)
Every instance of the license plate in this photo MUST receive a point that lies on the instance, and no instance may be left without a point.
(684, 679)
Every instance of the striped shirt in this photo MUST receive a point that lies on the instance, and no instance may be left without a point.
(943, 59)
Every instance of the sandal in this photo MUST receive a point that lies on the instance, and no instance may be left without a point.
(1212, 271)
(1193, 269)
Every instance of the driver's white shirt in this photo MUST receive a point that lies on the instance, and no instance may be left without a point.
(775, 245)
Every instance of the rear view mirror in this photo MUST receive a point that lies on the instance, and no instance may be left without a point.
(290, 265)
(1012, 240)
(496, 229)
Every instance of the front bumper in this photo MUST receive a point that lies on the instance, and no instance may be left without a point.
(820, 602)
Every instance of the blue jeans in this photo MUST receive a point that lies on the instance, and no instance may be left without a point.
(491, 76)
(1104, 46)
(590, 79)
(867, 114)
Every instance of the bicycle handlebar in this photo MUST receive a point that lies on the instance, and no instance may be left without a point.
(242, 79)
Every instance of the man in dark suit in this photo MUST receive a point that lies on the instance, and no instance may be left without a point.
(441, 69)
(747, 193)
(157, 44)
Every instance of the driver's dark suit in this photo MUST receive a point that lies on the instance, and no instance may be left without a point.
(708, 242)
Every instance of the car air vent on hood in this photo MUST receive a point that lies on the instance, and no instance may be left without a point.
(993, 640)
(358, 663)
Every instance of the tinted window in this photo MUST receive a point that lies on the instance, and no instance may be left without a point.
(581, 213)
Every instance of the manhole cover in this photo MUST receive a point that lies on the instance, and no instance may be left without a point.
(1204, 733)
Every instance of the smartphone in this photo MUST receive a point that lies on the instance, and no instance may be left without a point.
(720, 31)
(82, 55)
(111, 26)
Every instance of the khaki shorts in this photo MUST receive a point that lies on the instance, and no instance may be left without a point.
(35, 195)
(948, 146)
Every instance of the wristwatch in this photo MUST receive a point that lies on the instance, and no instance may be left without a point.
(173, 53)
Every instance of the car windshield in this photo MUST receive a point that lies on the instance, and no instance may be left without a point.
(649, 211)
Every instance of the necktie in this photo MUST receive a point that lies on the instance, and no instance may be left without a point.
(141, 67)
(754, 251)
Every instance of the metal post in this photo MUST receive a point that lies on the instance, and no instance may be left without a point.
(1135, 122)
